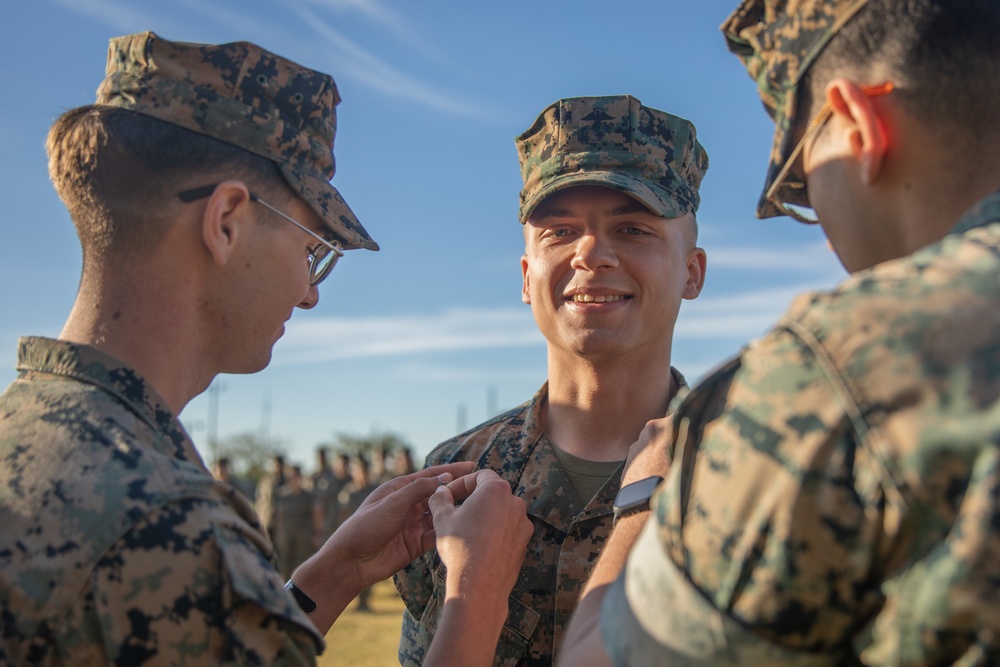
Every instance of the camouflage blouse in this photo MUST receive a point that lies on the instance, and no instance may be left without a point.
(117, 546)
(567, 540)
(834, 496)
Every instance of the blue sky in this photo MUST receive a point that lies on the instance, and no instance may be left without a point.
(428, 334)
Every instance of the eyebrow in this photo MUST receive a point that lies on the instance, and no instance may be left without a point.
(624, 209)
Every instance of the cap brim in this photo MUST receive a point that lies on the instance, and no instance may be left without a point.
(655, 199)
(781, 147)
(326, 201)
(802, 35)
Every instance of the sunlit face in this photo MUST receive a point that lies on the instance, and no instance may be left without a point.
(270, 281)
(604, 275)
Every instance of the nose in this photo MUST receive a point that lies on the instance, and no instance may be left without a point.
(594, 253)
(311, 298)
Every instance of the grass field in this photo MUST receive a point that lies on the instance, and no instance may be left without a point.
(367, 639)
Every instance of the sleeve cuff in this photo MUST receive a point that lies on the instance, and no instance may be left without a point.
(653, 615)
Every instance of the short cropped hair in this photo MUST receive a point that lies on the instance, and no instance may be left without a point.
(943, 56)
(118, 173)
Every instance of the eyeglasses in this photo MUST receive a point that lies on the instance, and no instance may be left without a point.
(804, 213)
(322, 258)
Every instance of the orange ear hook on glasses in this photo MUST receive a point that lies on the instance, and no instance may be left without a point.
(799, 212)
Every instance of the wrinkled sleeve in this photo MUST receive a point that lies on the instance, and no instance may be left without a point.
(189, 584)
(761, 545)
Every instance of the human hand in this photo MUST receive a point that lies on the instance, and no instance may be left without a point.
(648, 456)
(391, 527)
(483, 541)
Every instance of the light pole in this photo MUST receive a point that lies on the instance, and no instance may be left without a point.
(214, 390)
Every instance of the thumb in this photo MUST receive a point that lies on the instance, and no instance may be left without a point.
(441, 503)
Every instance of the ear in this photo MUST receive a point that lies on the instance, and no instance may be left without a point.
(696, 263)
(865, 121)
(221, 221)
(525, 295)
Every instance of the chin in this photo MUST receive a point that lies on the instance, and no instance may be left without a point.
(261, 364)
(250, 366)
(597, 346)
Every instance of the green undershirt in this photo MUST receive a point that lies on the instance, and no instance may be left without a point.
(587, 477)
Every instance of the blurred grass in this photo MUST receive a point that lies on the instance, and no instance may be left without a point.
(367, 639)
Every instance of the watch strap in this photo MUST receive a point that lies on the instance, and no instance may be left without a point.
(305, 602)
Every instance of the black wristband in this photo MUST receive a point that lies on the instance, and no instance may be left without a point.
(305, 602)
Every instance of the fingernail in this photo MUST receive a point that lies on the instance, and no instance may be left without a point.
(443, 478)
(440, 489)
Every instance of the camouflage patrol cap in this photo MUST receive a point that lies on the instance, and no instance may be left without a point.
(777, 41)
(243, 95)
(614, 142)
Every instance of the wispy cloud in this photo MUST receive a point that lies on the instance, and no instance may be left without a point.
(433, 372)
(365, 67)
(730, 317)
(369, 8)
(320, 339)
(244, 26)
(390, 21)
(736, 316)
(809, 258)
(351, 61)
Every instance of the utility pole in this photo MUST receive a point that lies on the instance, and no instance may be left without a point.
(463, 418)
(491, 401)
(265, 415)
(214, 390)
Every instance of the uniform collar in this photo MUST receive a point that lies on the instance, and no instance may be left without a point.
(92, 366)
(523, 455)
(985, 211)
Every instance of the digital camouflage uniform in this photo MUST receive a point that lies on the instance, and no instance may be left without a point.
(833, 494)
(655, 158)
(834, 490)
(117, 545)
(568, 536)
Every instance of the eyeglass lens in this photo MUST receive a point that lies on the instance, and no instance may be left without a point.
(804, 214)
(323, 261)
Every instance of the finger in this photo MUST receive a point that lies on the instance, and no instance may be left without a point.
(659, 423)
(409, 497)
(456, 469)
(463, 487)
(444, 473)
(384, 489)
(441, 503)
(650, 432)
